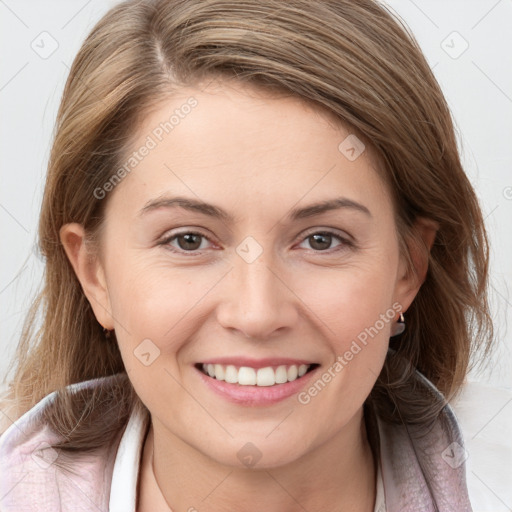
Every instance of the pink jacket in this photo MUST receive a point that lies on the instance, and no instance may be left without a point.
(419, 473)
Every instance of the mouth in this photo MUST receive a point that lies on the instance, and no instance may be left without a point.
(268, 376)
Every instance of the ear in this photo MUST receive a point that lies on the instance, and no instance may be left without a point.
(409, 283)
(89, 272)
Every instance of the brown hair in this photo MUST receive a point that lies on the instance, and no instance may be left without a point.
(352, 59)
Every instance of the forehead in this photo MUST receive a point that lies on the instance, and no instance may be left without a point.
(241, 143)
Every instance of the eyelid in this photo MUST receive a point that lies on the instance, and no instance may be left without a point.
(171, 234)
(345, 239)
(331, 231)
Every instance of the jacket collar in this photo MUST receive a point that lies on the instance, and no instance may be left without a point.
(423, 469)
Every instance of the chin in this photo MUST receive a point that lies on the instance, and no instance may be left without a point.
(260, 452)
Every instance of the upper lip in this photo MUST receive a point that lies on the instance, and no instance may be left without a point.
(256, 363)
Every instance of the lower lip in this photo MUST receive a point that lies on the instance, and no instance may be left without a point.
(256, 395)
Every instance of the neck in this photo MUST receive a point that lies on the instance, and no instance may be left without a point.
(337, 475)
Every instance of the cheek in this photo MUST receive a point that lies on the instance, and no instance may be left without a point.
(356, 312)
(152, 301)
(350, 300)
(151, 307)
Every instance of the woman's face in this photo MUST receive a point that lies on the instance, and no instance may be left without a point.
(248, 269)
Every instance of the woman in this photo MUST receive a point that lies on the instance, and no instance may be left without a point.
(266, 271)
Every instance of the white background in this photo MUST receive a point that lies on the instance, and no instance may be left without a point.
(478, 87)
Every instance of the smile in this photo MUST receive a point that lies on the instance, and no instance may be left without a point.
(247, 376)
(247, 381)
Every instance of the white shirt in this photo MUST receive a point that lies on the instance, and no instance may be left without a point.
(126, 466)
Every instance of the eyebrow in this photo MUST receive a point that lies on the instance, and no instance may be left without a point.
(216, 212)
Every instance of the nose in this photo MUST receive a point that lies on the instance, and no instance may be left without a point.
(258, 300)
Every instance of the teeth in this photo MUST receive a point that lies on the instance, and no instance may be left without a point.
(281, 375)
(265, 377)
(219, 372)
(293, 373)
(246, 376)
(231, 374)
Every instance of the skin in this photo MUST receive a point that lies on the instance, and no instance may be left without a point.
(257, 157)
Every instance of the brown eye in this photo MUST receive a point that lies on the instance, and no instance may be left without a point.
(189, 241)
(186, 241)
(322, 241)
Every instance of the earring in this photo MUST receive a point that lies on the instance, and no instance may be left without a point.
(107, 333)
(399, 327)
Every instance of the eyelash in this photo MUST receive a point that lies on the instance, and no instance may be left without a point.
(344, 245)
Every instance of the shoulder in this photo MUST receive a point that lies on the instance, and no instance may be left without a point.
(485, 417)
(420, 460)
(34, 475)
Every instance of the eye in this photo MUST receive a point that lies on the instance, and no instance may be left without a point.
(192, 241)
(187, 241)
(322, 240)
